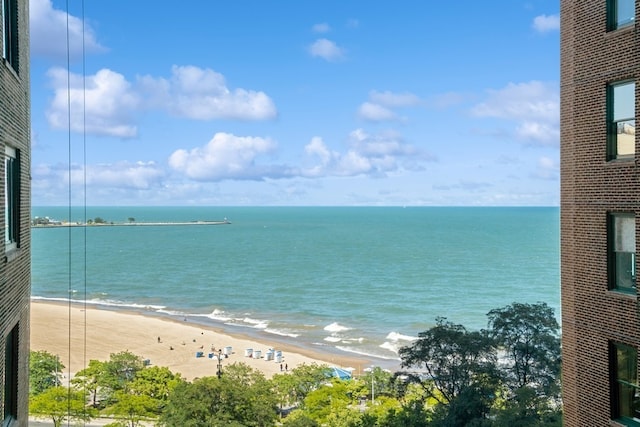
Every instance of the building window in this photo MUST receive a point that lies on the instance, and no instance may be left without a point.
(10, 33)
(10, 402)
(622, 252)
(625, 392)
(12, 198)
(621, 113)
(620, 13)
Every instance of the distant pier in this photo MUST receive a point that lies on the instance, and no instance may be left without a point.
(128, 224)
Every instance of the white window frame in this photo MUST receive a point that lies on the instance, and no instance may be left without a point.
(11, 198)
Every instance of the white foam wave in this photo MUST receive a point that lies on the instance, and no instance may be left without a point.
(107, 303)
(352, 340)
(258, 324)
(333, 339)
(394, 347)
(218, 315)
(336, 327)
(171, 312)
(281, 333)
(396, 336)
(363, 353)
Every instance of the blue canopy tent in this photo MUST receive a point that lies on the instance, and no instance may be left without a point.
(343, 374)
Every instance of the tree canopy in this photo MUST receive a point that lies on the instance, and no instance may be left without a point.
(528, 334)
(44, 371)
(452, 357)
(504, 376)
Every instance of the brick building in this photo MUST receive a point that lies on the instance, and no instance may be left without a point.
(15, 193)
(600, 202)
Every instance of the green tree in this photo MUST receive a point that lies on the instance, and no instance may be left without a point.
(298, 418)
(324, 400)
(528, 409)
(44, 371)
(294, 386)
(157, 382)
(454, 359)
(470, 408)
(59, 404)
(410, 414)
(377, 383)
(342, 415)
(130, 409)
(529, 336)
(241, 397)
(91, 379)
(121, 369)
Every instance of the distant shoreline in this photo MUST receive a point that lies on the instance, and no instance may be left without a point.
(128, 224)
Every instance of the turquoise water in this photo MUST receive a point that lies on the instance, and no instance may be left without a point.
(362, 280)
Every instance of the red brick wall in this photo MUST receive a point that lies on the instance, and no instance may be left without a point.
(15, 268)
(592, 316)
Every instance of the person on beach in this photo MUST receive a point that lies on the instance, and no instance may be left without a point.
(158, 340)
(281, 367)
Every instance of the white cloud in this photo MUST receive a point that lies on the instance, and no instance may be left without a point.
(48, 32)
(547, 168)
(126, 175)
(326, 49)
(534, 106)
(112, 101)
(391, 99)
(537, 131)
(375, 112)
(380, 104)
(317, 148)
(375, 155)
(107, 97)
(108, 182)
(546, 23)
(202, 94)
(321, 28)
(226, 156)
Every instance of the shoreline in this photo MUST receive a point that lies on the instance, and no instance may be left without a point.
(78, 333)
(128, 224)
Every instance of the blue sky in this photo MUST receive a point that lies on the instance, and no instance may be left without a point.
(249, 102)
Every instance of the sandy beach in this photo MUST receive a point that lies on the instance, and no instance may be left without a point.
(77, 336)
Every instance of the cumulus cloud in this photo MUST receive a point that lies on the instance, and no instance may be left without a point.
(391, 99)
(202, 94)
(112, 102)
(106, 96)
(546, 23)
(375, 113)
(380, 104)
(534, 106)
(374, 155)
(547, 168)
(321, 28)
(227, 156)
(49, 181)
(326, 49)
(126, 175)
(48, 32)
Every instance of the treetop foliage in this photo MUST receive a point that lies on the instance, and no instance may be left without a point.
(504, 376)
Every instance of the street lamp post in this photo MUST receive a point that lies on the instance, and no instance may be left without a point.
(373, 380)
(219, 363)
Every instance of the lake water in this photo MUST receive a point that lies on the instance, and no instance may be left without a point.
(362, 280)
